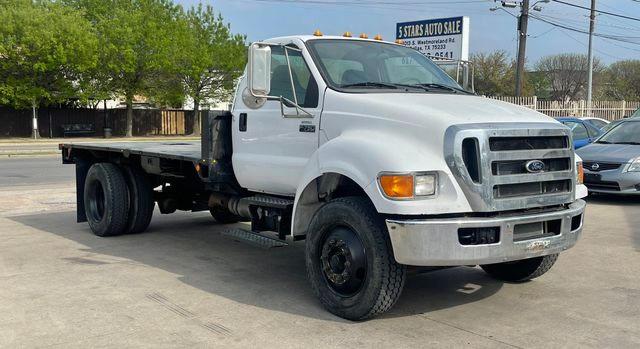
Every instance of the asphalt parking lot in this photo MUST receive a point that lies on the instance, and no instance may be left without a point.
(182, 284)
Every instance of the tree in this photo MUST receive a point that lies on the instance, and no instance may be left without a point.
(567, 74)
(46, 51)
(135, 40)
(209, 58)
(494, 74)
(623, 80)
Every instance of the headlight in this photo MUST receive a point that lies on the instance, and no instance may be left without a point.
(405, 186)
(579, 172)
(635, 166)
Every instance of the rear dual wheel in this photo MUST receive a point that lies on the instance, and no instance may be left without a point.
(117, 200)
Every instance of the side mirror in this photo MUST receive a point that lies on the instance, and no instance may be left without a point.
(259, 70)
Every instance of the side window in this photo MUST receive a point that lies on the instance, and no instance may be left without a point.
(593, 131)
(577, 130)
(305, 84)
(599, 123)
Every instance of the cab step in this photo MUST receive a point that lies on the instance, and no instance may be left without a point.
(270, 201)
(253, 238)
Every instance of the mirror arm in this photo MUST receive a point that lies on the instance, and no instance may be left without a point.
(295, 105)
(293, 87)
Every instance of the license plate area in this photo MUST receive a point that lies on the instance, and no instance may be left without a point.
(592, 177)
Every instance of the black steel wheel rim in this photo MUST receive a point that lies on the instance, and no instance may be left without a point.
(343, 261)
(96, 201)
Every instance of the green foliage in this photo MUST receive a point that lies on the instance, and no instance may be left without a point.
(209, 58)
(494, 74)
(567, 74)
(46, 51)
(623, 81)
(155, 49)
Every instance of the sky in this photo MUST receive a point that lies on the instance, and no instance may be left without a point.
(489, 30)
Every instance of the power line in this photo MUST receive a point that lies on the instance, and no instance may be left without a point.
(627, 39)
(379, 4)
(610, 42)
(365, 3)
(585, 45)
(599, 11)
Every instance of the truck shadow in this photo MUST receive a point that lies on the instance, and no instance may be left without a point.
(190, 246)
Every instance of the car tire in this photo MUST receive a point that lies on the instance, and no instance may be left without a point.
(350, 230)
(106, 199)
(141, 201)
(522, 270)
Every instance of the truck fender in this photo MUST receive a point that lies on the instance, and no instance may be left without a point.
(355, 159)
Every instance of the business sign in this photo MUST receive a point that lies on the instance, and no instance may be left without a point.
(446, 38)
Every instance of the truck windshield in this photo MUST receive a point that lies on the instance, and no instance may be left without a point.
(367, 65)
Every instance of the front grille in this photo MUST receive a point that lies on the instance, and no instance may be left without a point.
(530, 189)
(600, 166)
(528, 143)
(501, 168)
(603, 185)
(489, 162)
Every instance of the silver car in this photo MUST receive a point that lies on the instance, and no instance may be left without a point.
(612, 163)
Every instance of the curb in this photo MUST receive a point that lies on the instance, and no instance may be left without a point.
(24, 155)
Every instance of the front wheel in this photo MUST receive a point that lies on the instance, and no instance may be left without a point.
(350, 263)
(522, 270)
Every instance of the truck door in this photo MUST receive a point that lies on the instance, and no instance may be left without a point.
(270, 150)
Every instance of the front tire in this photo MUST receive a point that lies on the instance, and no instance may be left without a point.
(106, 199)
(520, 271)
(349, 258)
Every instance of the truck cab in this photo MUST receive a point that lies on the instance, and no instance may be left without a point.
(376, 158)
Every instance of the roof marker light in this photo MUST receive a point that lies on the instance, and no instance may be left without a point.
(347, 34)
(317, 33)
(399, 41)
(364, 36)
(378, 37)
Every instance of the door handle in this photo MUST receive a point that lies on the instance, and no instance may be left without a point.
(242, 123)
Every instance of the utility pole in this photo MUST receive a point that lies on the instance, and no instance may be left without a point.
(523, 21)
(592, 24)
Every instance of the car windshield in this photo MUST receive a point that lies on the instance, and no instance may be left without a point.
(636, 114)
(367, 65)
(623, 133)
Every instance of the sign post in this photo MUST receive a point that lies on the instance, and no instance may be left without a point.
(441, 38)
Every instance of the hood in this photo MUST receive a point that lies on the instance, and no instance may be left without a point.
(432, 109)
(620, 153)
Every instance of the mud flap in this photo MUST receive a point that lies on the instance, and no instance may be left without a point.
(82, 167)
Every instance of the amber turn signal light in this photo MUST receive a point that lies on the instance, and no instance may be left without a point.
(397, 186)
(580, 171)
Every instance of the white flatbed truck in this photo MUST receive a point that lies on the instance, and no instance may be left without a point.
(368, 151)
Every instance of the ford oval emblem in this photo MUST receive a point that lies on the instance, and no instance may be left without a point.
(595, 166)
(535, 166)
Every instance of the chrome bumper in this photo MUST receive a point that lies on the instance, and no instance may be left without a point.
(434, 242)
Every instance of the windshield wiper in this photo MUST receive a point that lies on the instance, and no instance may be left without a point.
(444, 87)
(370, 84)
(603, 142)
